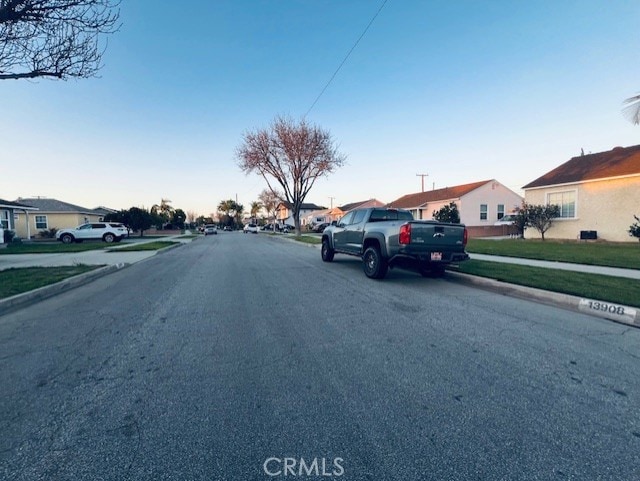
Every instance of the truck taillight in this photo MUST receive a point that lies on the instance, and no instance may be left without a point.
(465, 237)
(405, 234)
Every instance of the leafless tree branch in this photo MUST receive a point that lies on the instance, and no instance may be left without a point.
(54, 38)
(294, 155)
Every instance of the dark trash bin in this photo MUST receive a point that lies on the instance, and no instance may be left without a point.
(588, 234)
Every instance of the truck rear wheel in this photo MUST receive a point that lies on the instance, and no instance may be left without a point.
(375, 266)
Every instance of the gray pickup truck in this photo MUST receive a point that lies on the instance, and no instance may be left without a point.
(386, 238)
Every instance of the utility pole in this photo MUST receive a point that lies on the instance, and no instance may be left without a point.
(331, 199)
(423, 176)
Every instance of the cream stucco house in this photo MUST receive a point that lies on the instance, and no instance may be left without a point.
(597, 193)
(51, 213)
(8, 213)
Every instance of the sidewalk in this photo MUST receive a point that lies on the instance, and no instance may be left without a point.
(607, 271)
(94, 257)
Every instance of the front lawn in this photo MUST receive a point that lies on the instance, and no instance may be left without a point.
(617, 290)
(610, 254)
(18, 280)
(147, 246)
(51, 248)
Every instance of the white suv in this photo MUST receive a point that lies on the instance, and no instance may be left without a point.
(253, 228)
(107, 231)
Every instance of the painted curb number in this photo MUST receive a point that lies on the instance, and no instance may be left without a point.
(608, 310)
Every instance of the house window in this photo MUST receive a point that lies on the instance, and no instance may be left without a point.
(483, 211)
(41, 222)
(500, 211)
(566, 201)
(4, 219)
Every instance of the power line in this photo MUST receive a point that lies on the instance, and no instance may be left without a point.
(345, 59)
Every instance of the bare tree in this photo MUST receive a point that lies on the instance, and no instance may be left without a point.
(54, 38)
(291, 155)
(631, 109)
(269, 201)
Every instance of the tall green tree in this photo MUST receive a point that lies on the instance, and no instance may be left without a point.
(256, 206)
(162, 213)
(134, 218)
(289, 155)
(178, 218)
(231, 212)
(448, 213)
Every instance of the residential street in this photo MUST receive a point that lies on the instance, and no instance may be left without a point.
(219, 359)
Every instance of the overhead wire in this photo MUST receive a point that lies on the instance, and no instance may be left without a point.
(345, 58)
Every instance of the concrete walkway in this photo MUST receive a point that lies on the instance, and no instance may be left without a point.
(607, 271)
(94, 257)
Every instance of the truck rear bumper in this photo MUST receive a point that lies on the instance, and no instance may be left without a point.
(401, 260)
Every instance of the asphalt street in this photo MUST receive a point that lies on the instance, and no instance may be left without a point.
(241, 357)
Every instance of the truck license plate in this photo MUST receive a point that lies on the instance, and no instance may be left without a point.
(436, 256)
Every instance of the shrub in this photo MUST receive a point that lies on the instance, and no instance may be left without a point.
(8, 236)
(49, 233)
(634, 229)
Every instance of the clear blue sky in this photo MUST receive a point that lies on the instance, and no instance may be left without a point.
(461, 90)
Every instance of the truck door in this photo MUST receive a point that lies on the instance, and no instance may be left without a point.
(354, 231)
(340, 232)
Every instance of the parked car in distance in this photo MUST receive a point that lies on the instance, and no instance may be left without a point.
(320, 227)
(251, 228)
(508, 219)
(106, 231)
(227, 228)
(210, 229)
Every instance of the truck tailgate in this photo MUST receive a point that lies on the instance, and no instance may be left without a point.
(449, 237)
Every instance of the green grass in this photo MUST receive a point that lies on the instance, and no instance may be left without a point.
(18, 280)
(626, 255)
(617, 290)
(52, 248)
(306, 239)
(147, 246)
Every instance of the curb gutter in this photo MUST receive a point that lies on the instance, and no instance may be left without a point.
(606, 310)
(20, 300)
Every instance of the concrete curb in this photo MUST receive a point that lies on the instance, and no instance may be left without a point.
(44, 292)
(594, 307)
(613, 312)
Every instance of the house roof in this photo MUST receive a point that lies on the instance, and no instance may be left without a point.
(415, 200)
(104, 210)
(355, 205)
(617, 162)
(16, 205)
(289, 205)
(53, 205)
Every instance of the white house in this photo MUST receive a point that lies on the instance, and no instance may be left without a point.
(284, 212)
(480, 204)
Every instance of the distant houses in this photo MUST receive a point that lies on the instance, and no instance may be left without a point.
(598, 195)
